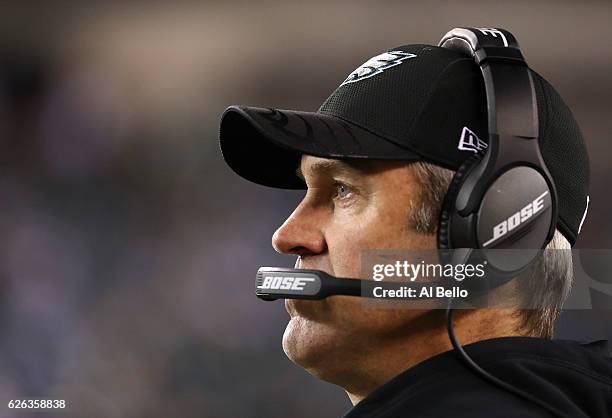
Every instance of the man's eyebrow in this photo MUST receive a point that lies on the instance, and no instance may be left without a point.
(329, 167)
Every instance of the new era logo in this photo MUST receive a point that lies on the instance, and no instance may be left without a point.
(469, 141)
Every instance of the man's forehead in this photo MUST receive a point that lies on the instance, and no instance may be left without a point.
(313, 166)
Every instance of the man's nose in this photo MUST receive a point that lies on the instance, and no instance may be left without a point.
(301, 234)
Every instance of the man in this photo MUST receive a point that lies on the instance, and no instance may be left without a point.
(377, 160)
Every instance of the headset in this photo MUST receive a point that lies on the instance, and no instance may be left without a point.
(501, 198)
(506, 197)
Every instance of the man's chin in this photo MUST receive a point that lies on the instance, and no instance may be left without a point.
(309, 344)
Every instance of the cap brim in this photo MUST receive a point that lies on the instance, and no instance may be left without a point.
(265, 145)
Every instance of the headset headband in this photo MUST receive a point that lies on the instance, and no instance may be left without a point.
(507, 79)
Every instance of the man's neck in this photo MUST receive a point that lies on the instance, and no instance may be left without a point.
(397, 356)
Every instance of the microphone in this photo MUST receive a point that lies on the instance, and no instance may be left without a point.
(274, 283)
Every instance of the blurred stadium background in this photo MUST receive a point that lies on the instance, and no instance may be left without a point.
(128, 248)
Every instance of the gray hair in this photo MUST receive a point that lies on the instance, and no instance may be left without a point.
(544, 288)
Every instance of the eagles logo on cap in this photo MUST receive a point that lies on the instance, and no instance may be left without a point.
(377, 65)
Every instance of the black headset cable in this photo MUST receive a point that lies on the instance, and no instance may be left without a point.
(471, 364)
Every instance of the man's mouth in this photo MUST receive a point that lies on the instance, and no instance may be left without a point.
(304, 307)
(307, 308)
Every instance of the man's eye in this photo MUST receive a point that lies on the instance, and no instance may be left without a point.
(342, 191)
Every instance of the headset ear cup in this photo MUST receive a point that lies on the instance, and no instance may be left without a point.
(448, 205)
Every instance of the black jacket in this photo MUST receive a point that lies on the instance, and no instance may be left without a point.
(574, 378)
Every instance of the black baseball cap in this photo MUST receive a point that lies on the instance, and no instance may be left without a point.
(412, 103)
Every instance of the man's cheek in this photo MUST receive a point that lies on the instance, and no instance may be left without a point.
(346, 260)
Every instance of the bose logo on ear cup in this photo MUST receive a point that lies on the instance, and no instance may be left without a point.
(518, 218)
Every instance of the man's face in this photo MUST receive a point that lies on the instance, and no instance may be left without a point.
(349, 207)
